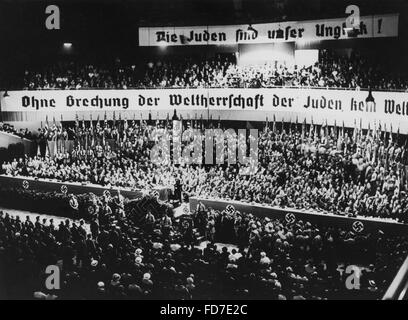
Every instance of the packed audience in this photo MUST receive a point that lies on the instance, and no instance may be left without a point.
(161, 257)
(22, 133)
(331, 71)
(332, 169)
(318, 174)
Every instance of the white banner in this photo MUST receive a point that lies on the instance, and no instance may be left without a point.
(307, 31)
(390, 108)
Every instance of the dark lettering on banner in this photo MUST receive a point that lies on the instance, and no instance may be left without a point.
(363, 28)
(193, 36)
(32, 102)
(329, 31)
(288, 33)
(323, 29)
(232, 101)
(246, 35)
(165, 36)
(390, 107)
(335, 32)
(323, 103)
(143, 101)
(282, 102)
(361, 106)
(97, 102)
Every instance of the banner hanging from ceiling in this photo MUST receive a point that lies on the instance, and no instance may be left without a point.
(378, 26)
(390, 108)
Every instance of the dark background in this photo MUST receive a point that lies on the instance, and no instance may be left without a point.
(102, 30)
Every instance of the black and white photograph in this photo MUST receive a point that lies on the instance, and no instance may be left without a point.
(203, 154)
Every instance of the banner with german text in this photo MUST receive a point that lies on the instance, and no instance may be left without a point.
(378, 26)
(390, 108)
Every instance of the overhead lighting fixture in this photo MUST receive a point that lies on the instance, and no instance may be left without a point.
(370, 101)
(67, 45)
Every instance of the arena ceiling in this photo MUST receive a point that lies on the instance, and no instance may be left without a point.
(179, 12)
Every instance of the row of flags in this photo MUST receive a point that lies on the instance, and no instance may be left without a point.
(196, 123)
(335, 131)
(378, 132)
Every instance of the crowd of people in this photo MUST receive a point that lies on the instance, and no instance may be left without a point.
(160, 257)
(360, 177)
(212, 254)
(22, 133)
(315, 167)
(99, 155)
(112, 248)
(352, 71)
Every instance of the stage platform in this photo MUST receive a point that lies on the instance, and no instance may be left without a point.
(355, 224)
(76, 188)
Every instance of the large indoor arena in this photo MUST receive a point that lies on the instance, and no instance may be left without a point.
(204, 150)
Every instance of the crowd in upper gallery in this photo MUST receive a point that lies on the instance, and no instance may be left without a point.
(353, 71)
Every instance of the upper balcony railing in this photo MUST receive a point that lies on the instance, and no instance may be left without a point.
(212, 87)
